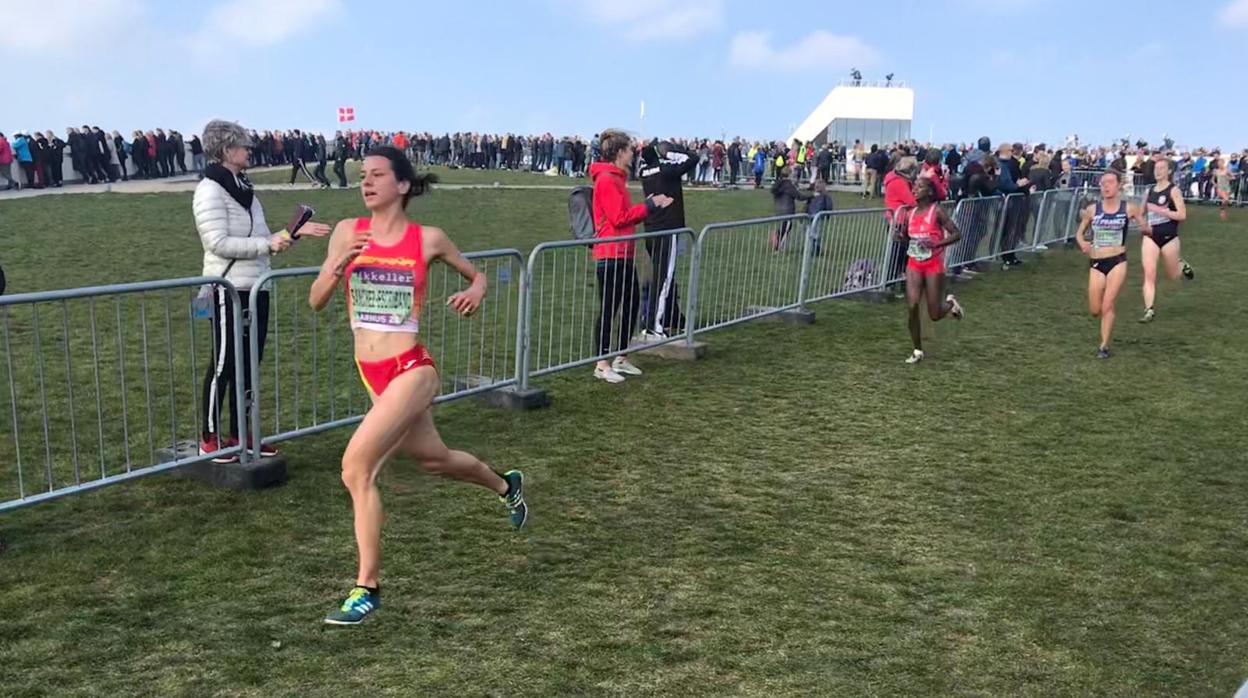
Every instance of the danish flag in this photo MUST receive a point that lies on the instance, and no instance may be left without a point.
(346, 114)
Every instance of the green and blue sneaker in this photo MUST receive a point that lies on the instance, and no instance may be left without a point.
(517, 510)
(360, 602)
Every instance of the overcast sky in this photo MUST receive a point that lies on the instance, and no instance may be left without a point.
(1010, 69)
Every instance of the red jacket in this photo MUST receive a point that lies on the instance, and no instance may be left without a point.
(615, 215)
(6, 152)
(897, 192)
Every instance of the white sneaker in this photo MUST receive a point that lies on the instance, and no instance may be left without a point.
(956, 311)
(648, 336)
(915, 358)
(609, 375)
(623, 365)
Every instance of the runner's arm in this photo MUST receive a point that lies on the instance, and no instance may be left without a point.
(952, 234)
(1085, 220)
(467, 301)
(338, 254)
(1137, 212)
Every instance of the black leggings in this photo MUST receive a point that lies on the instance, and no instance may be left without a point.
(219, 380)
(617, 290)
(298, 165)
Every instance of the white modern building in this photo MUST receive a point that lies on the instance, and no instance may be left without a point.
(872, 113)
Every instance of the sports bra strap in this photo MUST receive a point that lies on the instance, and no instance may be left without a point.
(362, 223)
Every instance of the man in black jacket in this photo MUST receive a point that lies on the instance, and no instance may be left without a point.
(76, 152)
(664, 165)
(56, 160)
(102, 154)
(342, 148)
(320, 148)
(734, 161)
(177, 150)
(823, 162)
(162, 153)
(299, 151)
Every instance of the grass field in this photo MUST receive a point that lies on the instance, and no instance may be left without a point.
(798, 514)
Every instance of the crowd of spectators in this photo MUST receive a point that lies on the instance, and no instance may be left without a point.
(98, 156)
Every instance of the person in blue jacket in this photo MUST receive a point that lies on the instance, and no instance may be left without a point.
(760, 164)
(21, 148)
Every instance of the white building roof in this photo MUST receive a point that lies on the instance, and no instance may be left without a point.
(856, 102)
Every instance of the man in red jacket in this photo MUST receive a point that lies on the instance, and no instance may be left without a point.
(616, 216)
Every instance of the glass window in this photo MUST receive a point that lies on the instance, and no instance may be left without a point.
(888, 131)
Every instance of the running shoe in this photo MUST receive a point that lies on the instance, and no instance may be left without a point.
(648, 336)
(915, 358)
(359, 603)
(608, 374)
(625, 367)
(1188, 272)
(1149, 315)
(517, 510)
(213, 444)
(956, 309)
(1102, 353)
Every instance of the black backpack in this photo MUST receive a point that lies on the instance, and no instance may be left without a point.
(581, 212)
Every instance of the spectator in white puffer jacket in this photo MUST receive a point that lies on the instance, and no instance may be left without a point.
(237, 246)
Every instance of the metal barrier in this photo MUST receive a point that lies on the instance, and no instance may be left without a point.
(580, 311)
(849, 253)
(312, 383)
(85, 363)
(748, 270)
(1053, 218)
(980, 220)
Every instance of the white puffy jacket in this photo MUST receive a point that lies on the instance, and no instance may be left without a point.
(228, 233)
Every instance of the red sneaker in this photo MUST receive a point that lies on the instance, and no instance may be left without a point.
(266, 451)
(212, 444)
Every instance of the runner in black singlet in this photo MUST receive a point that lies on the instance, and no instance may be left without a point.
(1165, 209)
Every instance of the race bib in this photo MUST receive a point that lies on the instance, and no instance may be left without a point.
(1106, 236)
(382, 296)
(918, 252)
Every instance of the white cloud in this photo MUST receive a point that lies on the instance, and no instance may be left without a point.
(819, 50)
(64, 26)
(261, 23)
(1235, 13)
(648, 20)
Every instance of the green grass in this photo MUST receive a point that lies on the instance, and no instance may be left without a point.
(798, 514)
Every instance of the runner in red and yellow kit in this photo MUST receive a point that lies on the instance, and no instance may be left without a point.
(384, 259)
(929, 231)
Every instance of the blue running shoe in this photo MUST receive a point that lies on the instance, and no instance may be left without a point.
(517, 510)
(360, 602)
(1102, 353)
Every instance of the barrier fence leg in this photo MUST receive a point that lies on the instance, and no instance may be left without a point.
(520, 396)
(800, 315)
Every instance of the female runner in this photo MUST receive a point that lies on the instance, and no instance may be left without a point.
(1165, 209)
(384, 260)
(1108, 220)
(929, 232)
(1222, 185)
